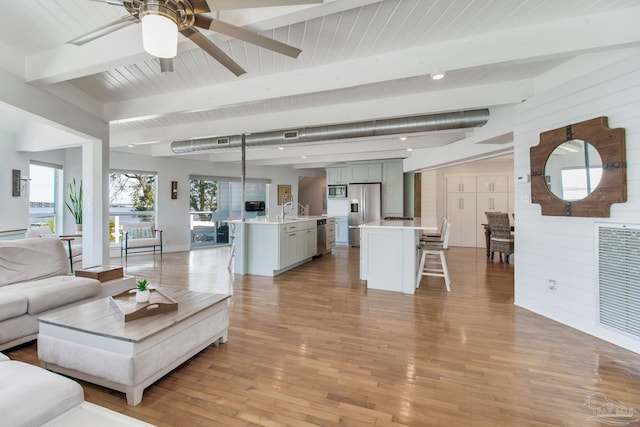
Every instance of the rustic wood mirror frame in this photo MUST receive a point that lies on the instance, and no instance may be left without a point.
(610, 144)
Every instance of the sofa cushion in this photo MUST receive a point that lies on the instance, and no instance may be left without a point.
(38, 231)
(30, 396)
(54, 292)
(140, 233)
(140, 243)
(12, 305)
(32, 259)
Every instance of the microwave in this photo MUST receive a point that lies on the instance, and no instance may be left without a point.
(337, 191)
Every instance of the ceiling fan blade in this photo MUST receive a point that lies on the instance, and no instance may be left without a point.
(207, 45)
(200, 6)
(246, 4)
(203, 21)
(104, 30)
(166, 65)
(112, 2)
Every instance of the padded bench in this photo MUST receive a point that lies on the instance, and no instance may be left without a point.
(140, 235)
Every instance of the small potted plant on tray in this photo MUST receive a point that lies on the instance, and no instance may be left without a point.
(143, 293)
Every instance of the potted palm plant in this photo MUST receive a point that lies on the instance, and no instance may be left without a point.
(143, 293)
(74, 204)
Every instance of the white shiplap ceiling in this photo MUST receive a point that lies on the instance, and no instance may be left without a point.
(361, 59)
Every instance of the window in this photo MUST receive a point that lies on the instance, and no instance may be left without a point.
(45, 195)
(132, 198)
(577, 184)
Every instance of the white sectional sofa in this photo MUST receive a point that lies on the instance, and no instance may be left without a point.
(31, 396)
(34, 280)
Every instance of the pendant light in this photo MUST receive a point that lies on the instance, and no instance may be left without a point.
(159, 29)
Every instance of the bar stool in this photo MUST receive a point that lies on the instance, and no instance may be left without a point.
(432, 259)
(435, 238)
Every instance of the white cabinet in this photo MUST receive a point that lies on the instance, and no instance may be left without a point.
(274, 247)
(392, 189)
(492, 202)
(338, 175)
(298, 242)
(461, 209)
(307, 240)
(388, 172)
(288, 244)
(366, 172)
(461, 213)
(342, 228)
(492, 184)
(493, 196)
(461, 184)
(468, 198)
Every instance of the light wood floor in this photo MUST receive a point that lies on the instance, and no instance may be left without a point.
(315, 347)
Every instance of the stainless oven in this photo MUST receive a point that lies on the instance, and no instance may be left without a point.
(337, 192)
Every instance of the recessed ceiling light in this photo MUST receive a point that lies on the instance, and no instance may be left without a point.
(303, 156)
(280, 148)
(130, 145)
(403, 137)
(409, 149)
(437, 74)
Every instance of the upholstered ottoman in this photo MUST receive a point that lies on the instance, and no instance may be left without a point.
(92, 342)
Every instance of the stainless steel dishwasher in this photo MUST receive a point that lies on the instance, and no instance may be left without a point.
(322, 237)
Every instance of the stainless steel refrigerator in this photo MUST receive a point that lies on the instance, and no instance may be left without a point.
(365, 205)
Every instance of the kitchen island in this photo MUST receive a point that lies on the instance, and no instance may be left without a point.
(267, 246)
(388, 253)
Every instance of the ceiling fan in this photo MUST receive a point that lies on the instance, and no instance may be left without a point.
(163, 19)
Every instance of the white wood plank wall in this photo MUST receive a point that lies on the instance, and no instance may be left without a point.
(560, 248)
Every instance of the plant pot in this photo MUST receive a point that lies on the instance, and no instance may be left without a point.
(143, 296)
(79, 228)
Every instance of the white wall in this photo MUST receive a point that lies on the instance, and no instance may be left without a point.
(563, 248)
(15, 210)
(173, 215)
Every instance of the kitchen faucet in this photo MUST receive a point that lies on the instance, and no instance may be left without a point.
(290, 203)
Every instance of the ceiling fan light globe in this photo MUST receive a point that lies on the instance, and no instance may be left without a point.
(159, 36)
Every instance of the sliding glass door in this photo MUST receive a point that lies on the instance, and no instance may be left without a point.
(214, 202)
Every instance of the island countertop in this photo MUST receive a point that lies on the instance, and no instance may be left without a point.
(415, 224)
(275, 220)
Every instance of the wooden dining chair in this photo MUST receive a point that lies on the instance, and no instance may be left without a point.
(501, 241)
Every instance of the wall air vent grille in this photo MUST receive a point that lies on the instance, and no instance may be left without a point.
(619, 277)
(290, 134)
(222, 141)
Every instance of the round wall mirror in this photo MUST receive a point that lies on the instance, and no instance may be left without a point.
(573, 170)
(579, 169)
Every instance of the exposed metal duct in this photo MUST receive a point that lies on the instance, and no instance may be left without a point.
(395, 126)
